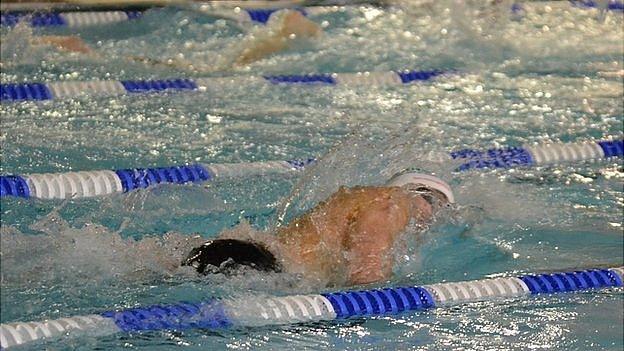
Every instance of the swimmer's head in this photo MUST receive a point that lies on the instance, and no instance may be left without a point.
(417, 181)
(228, 255)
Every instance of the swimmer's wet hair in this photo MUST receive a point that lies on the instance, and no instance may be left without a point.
(226, 256)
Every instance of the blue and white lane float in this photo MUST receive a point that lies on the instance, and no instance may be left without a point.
(74, 19)
(262, 16)
(104, 182)
(102, 5)
(612, 5)
(12, 92)
(68, 19)
(262, 311)
(607, 5)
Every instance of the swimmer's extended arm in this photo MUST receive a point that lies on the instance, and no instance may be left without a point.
(65, 43)
(288, 25)
(177, 63)
(284, 27)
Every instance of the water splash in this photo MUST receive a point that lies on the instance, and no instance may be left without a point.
(366, 160)
(89, 254)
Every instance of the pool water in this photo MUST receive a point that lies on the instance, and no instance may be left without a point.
(547, 74)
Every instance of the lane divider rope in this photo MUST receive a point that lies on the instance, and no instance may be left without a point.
(67, 19)
(35, 91)
(262, 311)
(612, 5)
(147, 4)
(74, 19)
(104, 182)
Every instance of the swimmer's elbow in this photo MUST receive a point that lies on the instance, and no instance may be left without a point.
(316, 31)
(259, 51)
(295, 23)
(65, 43)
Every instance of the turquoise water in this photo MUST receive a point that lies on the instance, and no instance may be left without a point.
(547, 76)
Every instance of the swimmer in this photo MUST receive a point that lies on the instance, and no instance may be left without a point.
(63, 43)
(346, 240)
(284, 28)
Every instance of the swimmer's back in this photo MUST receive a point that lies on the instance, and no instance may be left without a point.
(347, 238)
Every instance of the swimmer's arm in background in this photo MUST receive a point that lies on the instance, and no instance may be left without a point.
(74, 44)
(284, 27)
(65, 43)
(175, 62)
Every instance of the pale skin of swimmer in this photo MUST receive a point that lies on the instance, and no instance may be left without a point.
(351, 235)
(349, 238)
(290, 26)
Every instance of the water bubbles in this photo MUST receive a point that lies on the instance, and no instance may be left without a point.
(474, 90)
(371, 13)
(543, 86)
(184, 22)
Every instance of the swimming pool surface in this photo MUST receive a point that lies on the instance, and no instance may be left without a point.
(547, 74)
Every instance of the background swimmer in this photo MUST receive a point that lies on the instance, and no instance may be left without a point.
(346, 240)
(64, 43)
(284, 28)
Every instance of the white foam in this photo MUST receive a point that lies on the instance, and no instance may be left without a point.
(90, 253)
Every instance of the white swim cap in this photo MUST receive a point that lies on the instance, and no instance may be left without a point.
(425, 180)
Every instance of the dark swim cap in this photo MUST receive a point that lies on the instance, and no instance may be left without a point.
(226, 255)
